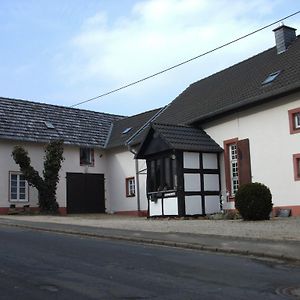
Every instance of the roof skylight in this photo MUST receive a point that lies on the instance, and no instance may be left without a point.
(49, 125)
(126, 130)
(270, 77)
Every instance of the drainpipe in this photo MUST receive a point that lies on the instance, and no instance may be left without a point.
(137, 184)
(138, 198)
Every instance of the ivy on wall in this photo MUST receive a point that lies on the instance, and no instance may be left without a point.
(47, 184)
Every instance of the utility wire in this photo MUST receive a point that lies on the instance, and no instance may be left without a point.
(186, 61)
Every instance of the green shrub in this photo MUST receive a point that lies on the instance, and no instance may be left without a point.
(254, 201)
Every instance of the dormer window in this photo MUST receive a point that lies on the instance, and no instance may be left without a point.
(87, 157)
(126, 130)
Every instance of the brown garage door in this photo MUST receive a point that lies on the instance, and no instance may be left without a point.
(85, 193)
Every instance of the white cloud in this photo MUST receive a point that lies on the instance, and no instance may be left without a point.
(158, 34)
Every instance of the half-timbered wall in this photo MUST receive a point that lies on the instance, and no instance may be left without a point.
(197, 191)
(201, 183)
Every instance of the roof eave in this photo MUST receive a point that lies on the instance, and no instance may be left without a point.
(43, 141)
(250, 102)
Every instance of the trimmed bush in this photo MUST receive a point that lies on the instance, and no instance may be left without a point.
(254, 201)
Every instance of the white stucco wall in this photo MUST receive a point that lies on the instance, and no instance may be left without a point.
(271, 146)
(121, 165)
(36, 153)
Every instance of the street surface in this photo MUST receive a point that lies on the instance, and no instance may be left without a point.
(41, 265)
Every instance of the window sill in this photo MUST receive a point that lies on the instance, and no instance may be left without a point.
(86, 165)
(231, 199)
(295, 131)
(18, 201)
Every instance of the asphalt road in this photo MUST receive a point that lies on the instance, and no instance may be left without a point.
(41, 265)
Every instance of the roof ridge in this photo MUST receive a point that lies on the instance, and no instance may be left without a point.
(149, 121)
(186, 90)
(174, 125)
(233, 66)
(145, 112)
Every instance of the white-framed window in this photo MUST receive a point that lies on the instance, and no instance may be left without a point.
(18, 187)
(234, 174)
(297, 120)
(87, 157)
(294, 120)
(130, 187)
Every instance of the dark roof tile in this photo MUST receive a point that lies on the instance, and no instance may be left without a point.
(118, 138)
(24, 121)
(186, 138)
(237, 87)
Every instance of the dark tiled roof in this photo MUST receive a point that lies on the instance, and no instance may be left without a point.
(237, 87)
(186, 138)
(24, 121)
(136, 122)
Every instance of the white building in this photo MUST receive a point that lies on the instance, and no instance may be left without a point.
(239, 125)
(252, 110)
(83, 171)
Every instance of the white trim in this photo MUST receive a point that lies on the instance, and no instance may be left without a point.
(130, 187)
(233, 162)
(297, 120)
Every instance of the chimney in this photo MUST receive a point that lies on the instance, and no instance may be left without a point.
(284, 37)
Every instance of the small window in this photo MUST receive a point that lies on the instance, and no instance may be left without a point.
(130, 187)
(18, 187)
(270, 78)
(296, 162)
(297, 120)
(294, 120)
(87, 157)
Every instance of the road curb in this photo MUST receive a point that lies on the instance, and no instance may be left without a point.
(183, 245)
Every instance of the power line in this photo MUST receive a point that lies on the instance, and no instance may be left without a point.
(186, 61)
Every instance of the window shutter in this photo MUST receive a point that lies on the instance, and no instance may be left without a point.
(244, 162)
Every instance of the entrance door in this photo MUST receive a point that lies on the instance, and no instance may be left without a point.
(85, 193)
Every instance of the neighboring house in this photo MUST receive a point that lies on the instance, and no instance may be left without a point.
(81, 187)
(237, 126)
(252, 110)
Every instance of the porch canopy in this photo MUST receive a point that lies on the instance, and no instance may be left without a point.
(164, 137)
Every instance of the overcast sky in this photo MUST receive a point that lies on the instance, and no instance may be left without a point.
(65, 51)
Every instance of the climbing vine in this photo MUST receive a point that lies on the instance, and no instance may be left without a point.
(47, 185)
